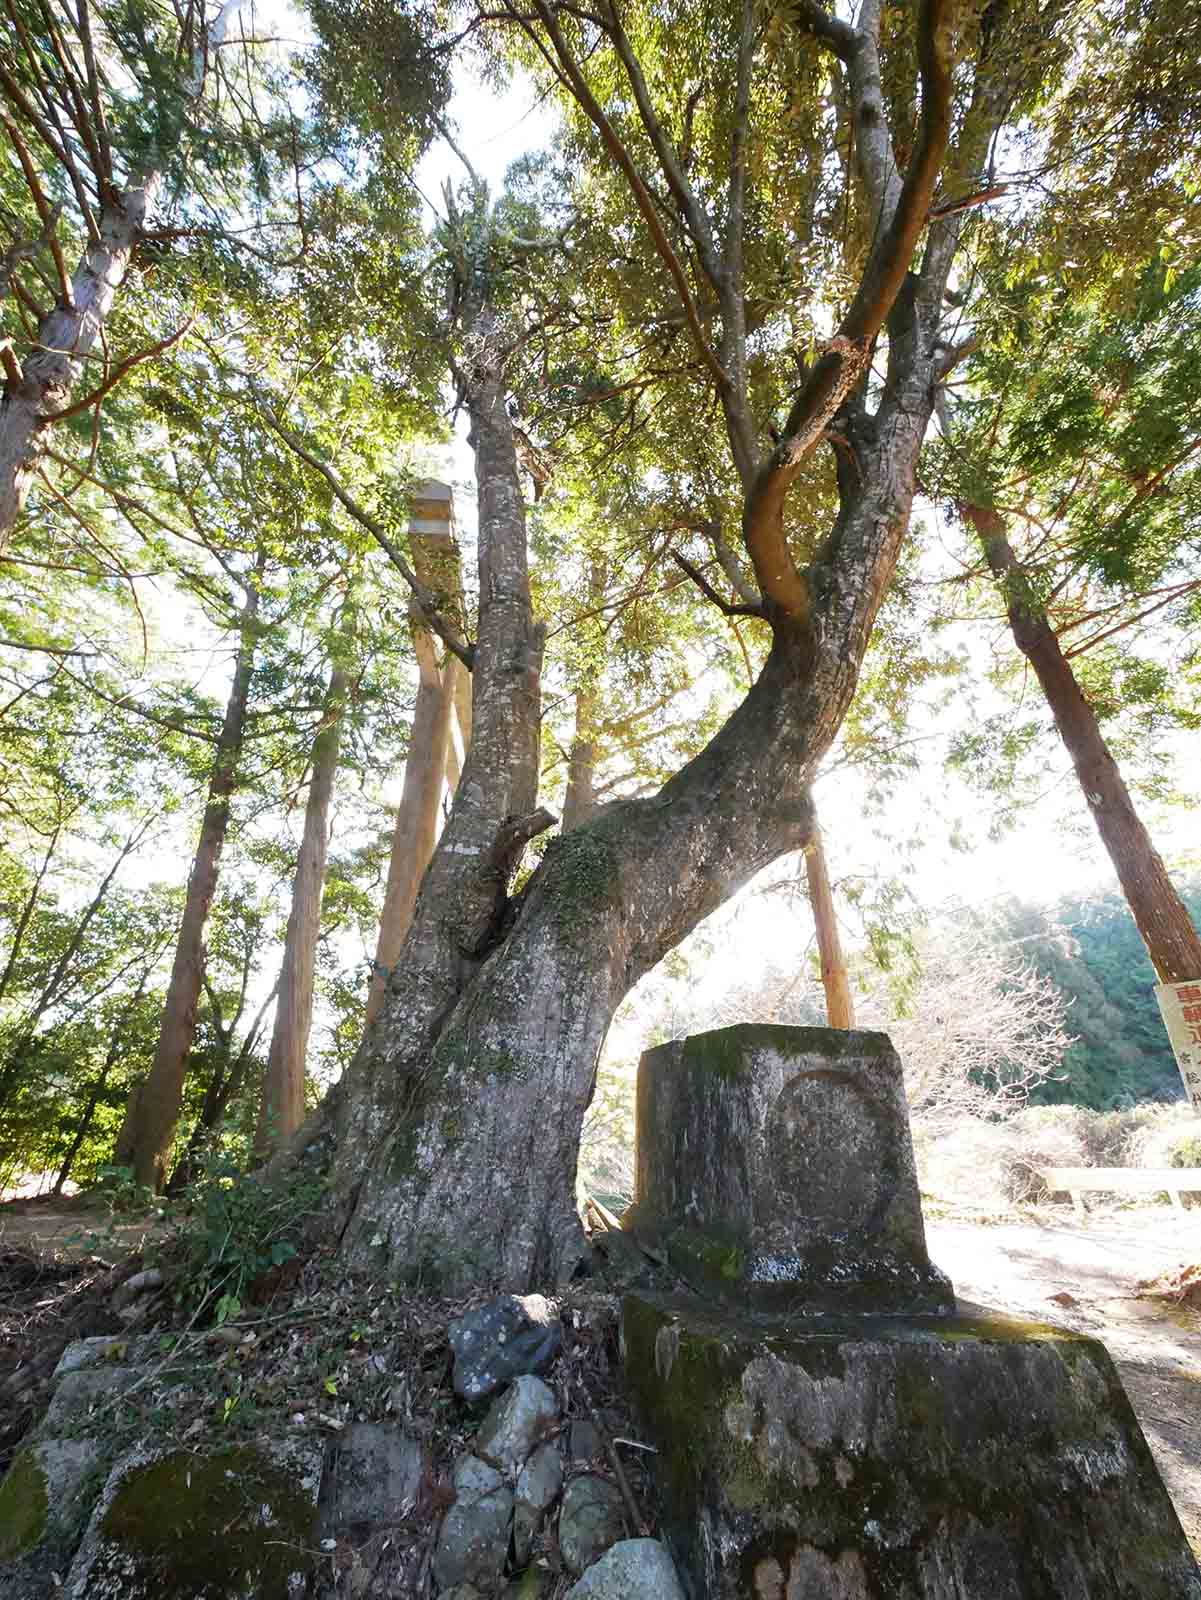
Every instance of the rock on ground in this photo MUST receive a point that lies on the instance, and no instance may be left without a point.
(507, 1338)
(515, 1423)
(634, 1569)
(591, 1520)
(473, 1541)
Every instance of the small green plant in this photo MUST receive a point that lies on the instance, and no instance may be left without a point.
(232, 1228)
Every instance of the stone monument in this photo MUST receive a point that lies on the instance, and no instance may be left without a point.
(828, 1426)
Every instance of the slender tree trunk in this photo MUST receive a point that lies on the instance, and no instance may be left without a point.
(55, 983)
(840, 1008)
(27, 911)
(224, 1086)
(149, 1131)
(98, 1085)
(416, 830)
(282, 1108)
(66, 337)
(580, 800)
(432, 756)
(1162, 917)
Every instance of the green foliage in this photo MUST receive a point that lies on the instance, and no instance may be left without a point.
(232, 1228)
(1092, 950)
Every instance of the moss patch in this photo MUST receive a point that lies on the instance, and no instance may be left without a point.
(216, 1526)
(23, 1506)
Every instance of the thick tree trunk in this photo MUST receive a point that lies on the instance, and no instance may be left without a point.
(840, 1008)
(65, 339)
(149, 1130)
(281, 1110)
(459, 1122)
(1161, 915)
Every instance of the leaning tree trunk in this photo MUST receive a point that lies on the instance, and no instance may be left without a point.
(840, 1008)
(148, 1132)
(65, 339)
(484, 1059)
(1162, 917)
(281, 1109)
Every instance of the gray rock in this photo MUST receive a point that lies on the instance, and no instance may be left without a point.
(633, 1569)
(537, 1486)
(775, 1167)
(41, 1494)
(79, 1393)
(584, 1442)
(372, 1475)
(461, 1591)
(590, 1521)
(510, 1337)
(473, 1540)
(178, 1525)
(515, 1423)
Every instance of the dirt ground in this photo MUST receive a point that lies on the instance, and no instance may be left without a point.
(1049, 1265)
(1082, 1273)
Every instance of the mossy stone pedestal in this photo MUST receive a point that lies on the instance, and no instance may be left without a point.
(775, 1166)
(898, 1458)
(826, 1428)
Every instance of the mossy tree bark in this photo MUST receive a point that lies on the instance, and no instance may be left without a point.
(456, 1130)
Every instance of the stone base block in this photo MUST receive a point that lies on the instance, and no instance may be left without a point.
(898, 1458)
(236, 1524)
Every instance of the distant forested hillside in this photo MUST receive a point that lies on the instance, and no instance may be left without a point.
(1092, 950)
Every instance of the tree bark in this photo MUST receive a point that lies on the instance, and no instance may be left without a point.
(840, 1008)
(65, 339)
(148, 1132)
(281, 1109)
(484, 1059)
(579, 802)
(1162, 917)
(440, 692)
(417, 816)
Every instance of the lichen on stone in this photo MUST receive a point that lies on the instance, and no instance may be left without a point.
(24, 1507)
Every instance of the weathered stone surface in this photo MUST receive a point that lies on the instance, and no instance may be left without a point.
(473, 1540)
(372, 1475)
(237, 1524)
(538, 1485)
(583, 1441)
(918, 1458)
(42, 1493)
(515, 1423)
(80, 1391)
(589, 1522)
(510, 1337)
(776, 1162)
(633, 1569)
